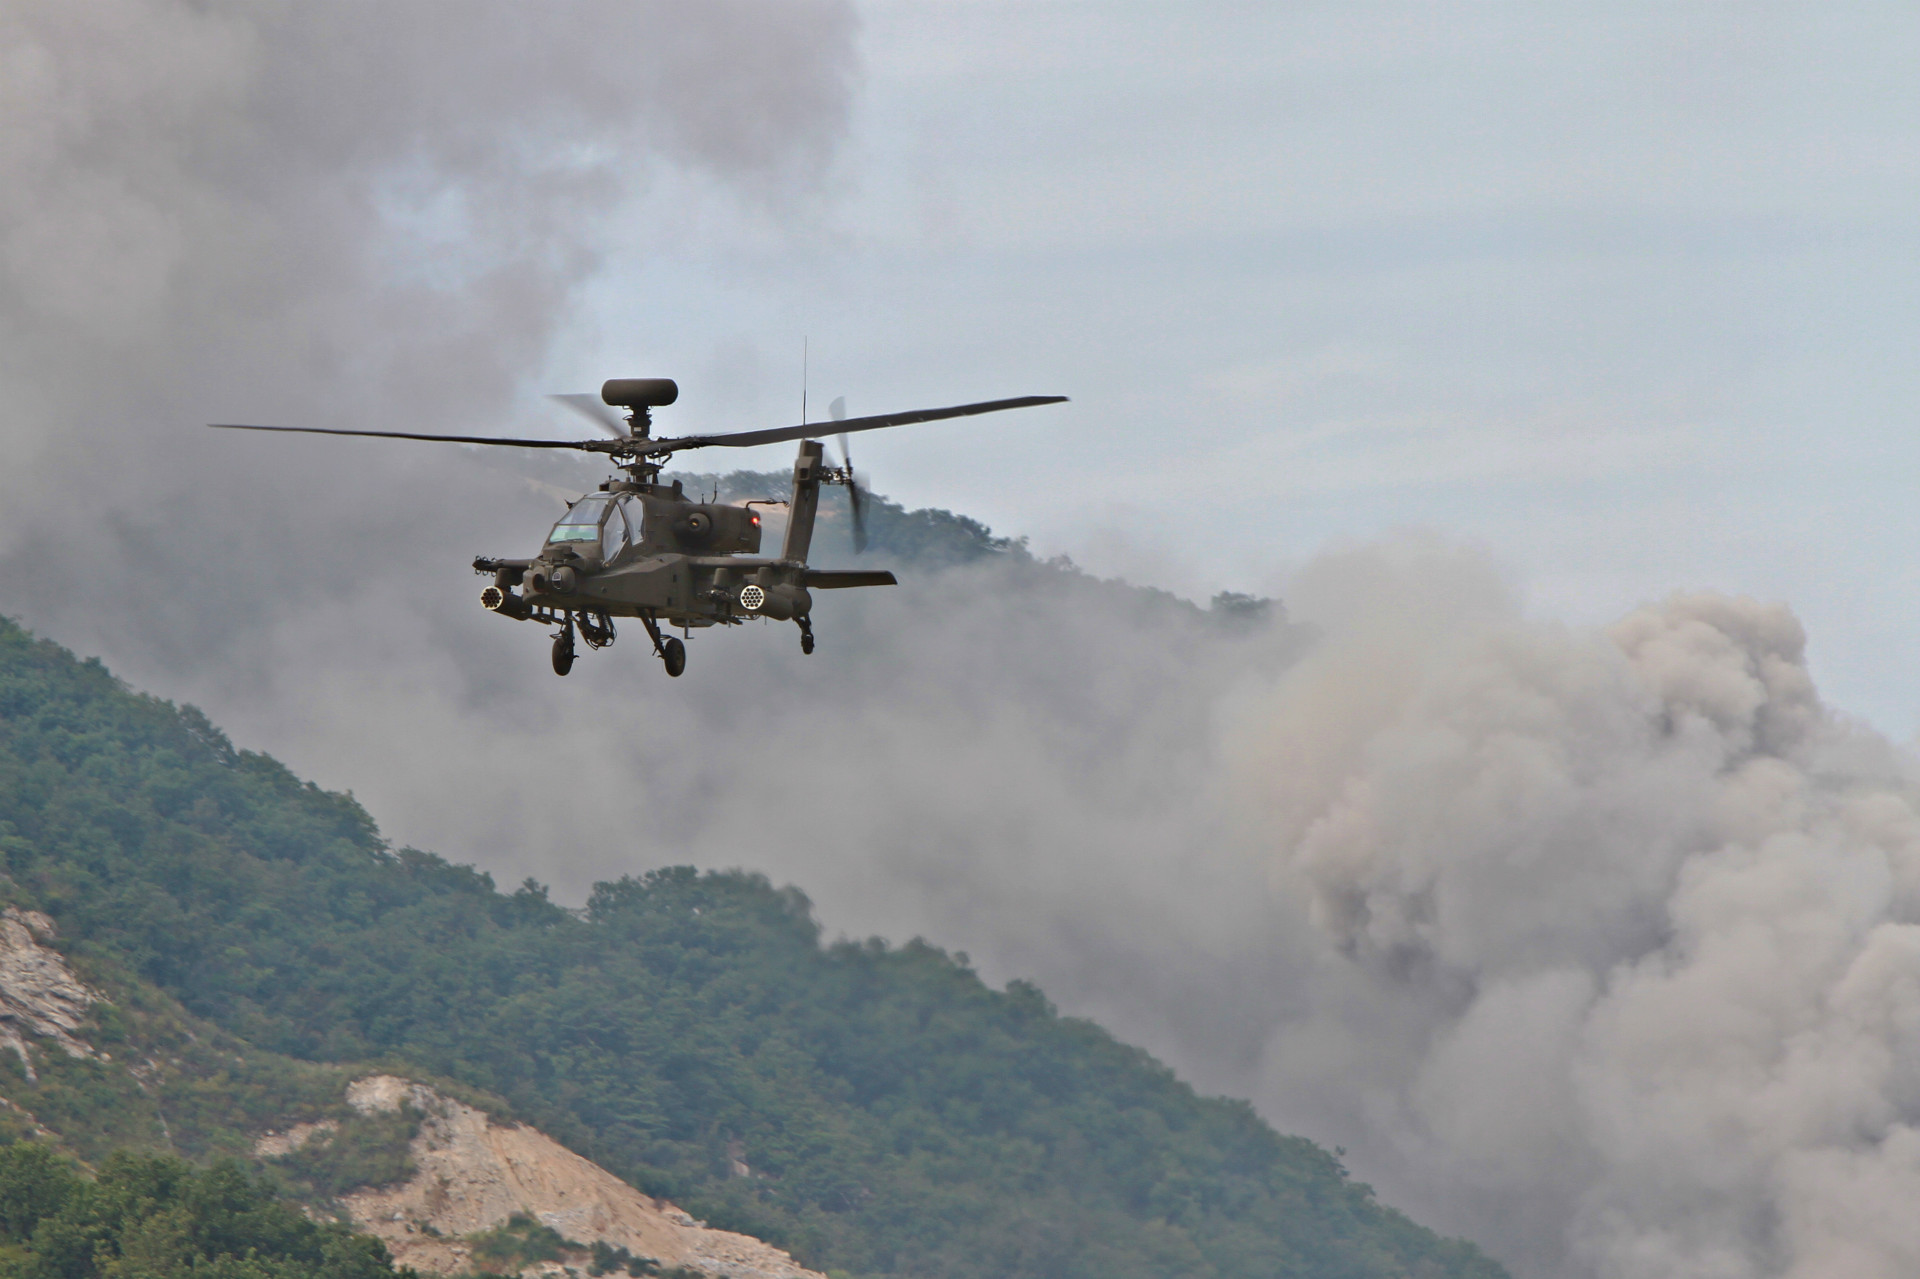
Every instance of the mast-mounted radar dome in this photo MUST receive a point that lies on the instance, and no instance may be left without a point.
(640, 392)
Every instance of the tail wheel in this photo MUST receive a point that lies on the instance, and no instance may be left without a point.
(674, 654)
(562, 654)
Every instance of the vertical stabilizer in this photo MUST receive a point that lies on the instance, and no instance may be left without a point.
(806, 499)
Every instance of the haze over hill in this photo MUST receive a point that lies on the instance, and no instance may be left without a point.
(878, 1110)
(1591, 945)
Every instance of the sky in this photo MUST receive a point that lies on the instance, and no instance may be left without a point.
(1552, 850)
(1626, 295)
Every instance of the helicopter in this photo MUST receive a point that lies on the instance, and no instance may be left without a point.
(636, 548)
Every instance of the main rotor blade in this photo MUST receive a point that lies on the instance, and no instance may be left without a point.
(591, 406)
(774, 435)
(631, 446)
(590, 446)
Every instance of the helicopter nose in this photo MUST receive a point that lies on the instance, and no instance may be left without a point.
(564, 580)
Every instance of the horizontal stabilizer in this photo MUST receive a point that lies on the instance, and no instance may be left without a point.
(833, 579)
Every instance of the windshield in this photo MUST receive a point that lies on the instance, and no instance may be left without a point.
(582, 523)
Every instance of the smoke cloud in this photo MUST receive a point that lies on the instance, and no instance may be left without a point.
(334, 215)
(1596, 945)
(1599, 946)
(1618, 929)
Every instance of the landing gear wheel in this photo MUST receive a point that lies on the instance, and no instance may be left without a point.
(673, 654)
(806, 635)
(563, 652)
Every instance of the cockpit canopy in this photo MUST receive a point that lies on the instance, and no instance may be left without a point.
(582, 522)
(598, 518)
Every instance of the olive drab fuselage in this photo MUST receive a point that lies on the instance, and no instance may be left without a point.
(635, 549)
(625, 549)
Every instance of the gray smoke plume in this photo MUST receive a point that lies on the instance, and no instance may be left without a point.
(1613, 935)
(345, 215)
(1598, 946)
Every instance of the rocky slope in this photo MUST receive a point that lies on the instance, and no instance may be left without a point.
(475, 1175)
(39, 995)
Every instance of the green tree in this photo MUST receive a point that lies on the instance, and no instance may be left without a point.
(151, 1217)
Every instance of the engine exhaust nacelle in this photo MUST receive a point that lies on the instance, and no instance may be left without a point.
(787, 602)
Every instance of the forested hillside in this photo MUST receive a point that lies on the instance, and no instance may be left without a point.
(159, 1218)
(876, 1109)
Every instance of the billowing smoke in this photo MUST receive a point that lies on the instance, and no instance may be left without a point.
(1598, 946)
(1616, 932)
(330, 215)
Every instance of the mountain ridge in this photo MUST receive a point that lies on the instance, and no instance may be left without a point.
(906, 1118)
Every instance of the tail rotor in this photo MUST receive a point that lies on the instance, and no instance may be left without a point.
(855, 503)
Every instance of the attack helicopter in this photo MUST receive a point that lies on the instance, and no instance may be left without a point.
(637, 548)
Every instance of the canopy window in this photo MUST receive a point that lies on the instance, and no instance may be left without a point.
(582, 523)
(613, 534)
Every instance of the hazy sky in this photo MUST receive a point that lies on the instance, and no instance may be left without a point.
(1626, 293)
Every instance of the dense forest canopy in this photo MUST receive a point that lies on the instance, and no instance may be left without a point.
(157, 1217)
(893, 1114)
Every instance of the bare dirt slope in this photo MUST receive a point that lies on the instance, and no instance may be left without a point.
(475, 1174)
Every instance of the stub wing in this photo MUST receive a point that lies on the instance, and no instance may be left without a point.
(834, 579)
